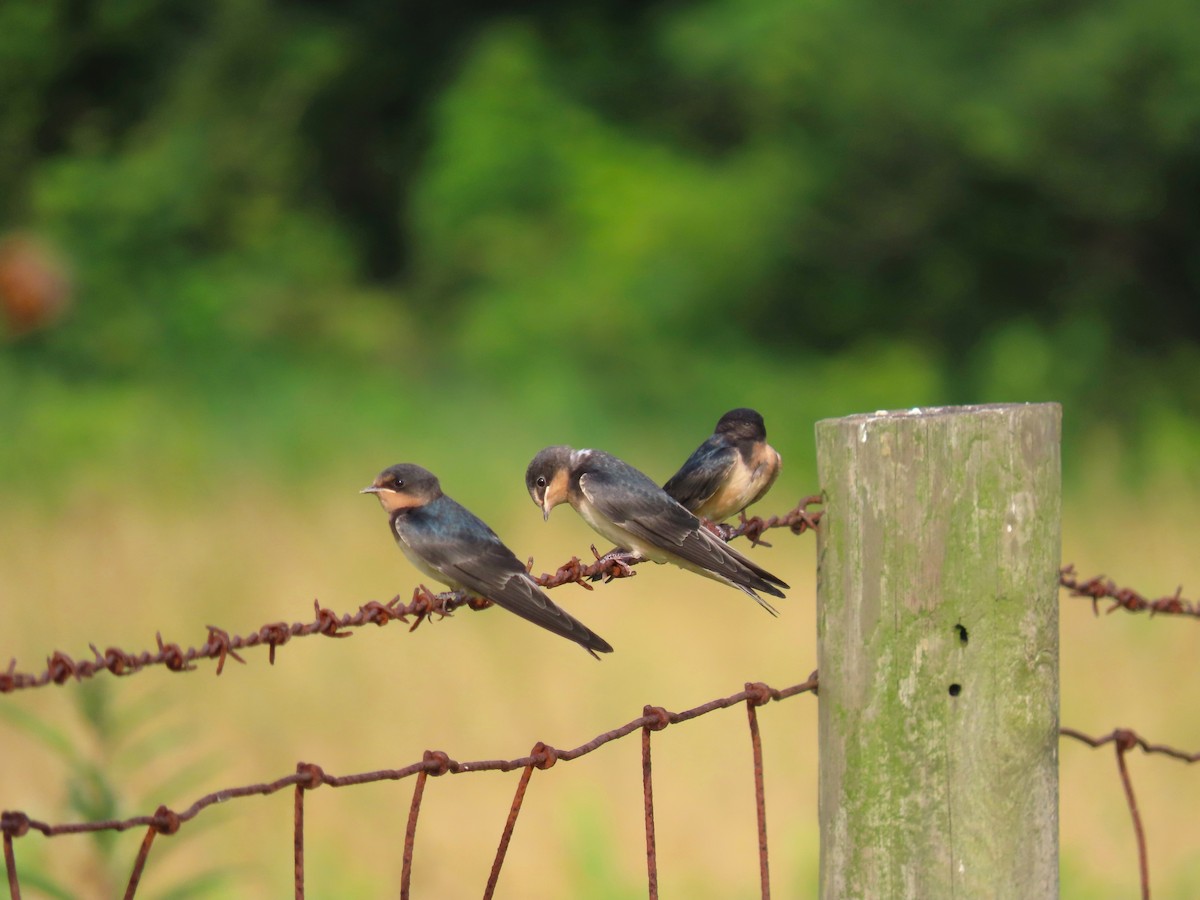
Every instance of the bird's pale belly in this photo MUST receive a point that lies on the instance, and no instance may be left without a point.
(619, 535)
(734, 495)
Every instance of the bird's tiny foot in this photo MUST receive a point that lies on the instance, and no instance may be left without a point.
(622, 559)
(619, 567)
(616, 563)
(427, 604)
(449, 601)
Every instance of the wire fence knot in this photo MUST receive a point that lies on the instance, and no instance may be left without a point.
(437, 762)
(659, 716)
(14, 823)
(314, 775)
(758, 693)
(165, 821)
(1125, 739)
(544, 756)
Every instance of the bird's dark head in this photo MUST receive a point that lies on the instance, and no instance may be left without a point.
(404, 486)
(548, 476)
(742, 424)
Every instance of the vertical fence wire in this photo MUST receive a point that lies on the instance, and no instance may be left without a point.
(10, 865)
(314, 777)
(410, 834)
(509, 825)
(139, 864)
(1125, 742)
(298, 842)
(661, 719)
(759, 694)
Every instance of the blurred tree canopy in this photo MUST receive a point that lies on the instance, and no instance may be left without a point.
(981, 201)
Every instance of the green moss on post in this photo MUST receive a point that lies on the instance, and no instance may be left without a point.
(937, 627)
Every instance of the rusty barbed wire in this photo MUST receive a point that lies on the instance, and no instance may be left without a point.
(308, 777)
(221, 645)
(1101, 588)
(61, 668)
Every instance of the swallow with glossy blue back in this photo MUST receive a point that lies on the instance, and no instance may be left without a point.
(732, 469)
(627, 507)
(447, 542)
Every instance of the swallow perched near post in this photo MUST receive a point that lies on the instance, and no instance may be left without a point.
(627, 507)
(446, 541)
(731, 470)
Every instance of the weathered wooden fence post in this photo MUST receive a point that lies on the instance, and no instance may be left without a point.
(937, 624)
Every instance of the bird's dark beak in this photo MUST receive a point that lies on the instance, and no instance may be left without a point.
(373, 489)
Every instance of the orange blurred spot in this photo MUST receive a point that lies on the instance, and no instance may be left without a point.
(34, 287)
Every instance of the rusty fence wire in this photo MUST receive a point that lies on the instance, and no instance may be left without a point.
(221, 645)
(309, 777)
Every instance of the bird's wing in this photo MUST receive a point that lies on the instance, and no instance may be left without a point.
(703, 473)
(463, 548)
(647, 513)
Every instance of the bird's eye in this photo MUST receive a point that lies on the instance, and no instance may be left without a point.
(398, 483)
(541, 481)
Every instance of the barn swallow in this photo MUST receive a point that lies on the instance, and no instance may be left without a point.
(731, 470)
(628, 508)
(447, 542)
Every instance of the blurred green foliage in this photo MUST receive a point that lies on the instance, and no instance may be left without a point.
(287, 215)
(99, 750)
